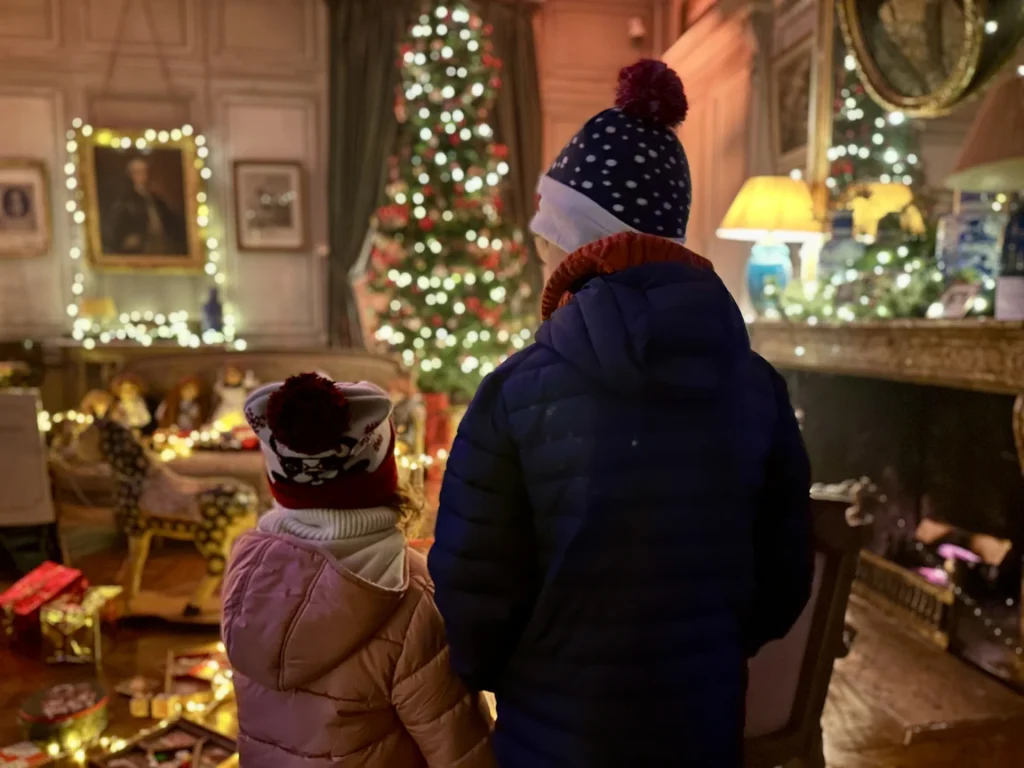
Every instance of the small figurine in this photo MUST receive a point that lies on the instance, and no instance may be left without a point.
(184, 407)
(213, 312)
(131, 409)
(408, 415)
(232, 389)
(97, 403)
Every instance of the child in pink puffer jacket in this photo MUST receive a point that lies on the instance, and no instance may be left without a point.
(339, 653)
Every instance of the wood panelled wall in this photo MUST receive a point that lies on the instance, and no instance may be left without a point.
(250, 74)
(581, 45)
(715, 57)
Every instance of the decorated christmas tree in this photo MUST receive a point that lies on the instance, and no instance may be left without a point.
(868, 142)
(448, 267)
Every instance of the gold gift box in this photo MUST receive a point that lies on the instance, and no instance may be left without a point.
(72, 629)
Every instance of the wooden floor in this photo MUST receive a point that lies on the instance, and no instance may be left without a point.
(895, 702)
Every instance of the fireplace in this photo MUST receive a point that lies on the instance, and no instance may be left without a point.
(946, 550)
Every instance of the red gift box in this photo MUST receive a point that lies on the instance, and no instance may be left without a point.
(21, 603)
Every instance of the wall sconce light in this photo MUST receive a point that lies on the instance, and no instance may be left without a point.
(637, 31)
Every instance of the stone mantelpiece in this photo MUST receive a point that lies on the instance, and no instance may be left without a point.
(982, 355)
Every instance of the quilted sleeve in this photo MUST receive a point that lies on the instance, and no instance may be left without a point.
(450, 725)
(783, 530)
(483, 558)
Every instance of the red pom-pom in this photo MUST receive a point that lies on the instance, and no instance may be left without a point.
(651, 90)
(308, 414)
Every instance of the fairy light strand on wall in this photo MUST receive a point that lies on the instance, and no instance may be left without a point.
(90, 323)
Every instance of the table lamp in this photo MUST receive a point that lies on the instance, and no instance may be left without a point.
(992, 160)
(770, 212)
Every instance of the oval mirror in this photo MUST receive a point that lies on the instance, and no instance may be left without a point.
(923, 57)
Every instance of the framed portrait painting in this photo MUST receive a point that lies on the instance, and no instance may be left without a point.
(270, 206)
(791, 103)
(141, 193)
(24, 208)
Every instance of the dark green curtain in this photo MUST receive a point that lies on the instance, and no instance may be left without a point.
(363, 39)
(517, 114)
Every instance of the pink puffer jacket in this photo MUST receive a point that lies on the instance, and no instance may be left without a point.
(332, 670)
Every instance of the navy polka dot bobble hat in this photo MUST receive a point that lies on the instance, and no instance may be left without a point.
(625, 170)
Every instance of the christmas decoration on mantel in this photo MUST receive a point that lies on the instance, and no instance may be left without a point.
(95, 320)
(880, 263)
(448, 265)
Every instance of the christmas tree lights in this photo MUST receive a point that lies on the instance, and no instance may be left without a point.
(89, 324)
(448, 268)
(867, 141)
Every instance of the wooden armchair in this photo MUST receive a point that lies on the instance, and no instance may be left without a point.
(789, 678)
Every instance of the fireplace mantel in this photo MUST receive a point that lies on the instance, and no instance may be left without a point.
(982, 355)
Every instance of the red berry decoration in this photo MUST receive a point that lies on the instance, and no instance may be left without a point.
(308, 414)
(651, 90)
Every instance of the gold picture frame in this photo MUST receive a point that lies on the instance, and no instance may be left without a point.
(141, 200)
(791, 104)
(25, 224)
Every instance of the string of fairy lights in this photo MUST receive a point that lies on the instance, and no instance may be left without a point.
(90, 324)
(172, 446)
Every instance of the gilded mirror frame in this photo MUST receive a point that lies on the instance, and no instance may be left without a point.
(991, 31)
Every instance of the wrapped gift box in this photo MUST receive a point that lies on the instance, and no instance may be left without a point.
(20, 606)
(71, 628)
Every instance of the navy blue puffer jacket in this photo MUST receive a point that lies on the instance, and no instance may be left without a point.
(623, 522)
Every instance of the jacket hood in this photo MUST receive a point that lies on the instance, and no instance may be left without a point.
(291, 614)
(642, 314)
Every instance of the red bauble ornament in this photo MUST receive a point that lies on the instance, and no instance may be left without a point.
(426, 225)
(436, 320)
(488, 29)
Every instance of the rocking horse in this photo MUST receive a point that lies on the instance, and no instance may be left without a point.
(152, 500)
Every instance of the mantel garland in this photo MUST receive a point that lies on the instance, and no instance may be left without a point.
(143, 328)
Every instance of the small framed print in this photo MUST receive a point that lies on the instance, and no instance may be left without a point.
(957, 300)
(24, 208)
(270, 205)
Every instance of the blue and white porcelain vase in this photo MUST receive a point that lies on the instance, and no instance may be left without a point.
(971, 240)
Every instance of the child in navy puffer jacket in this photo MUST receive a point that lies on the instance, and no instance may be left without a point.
(624, 517)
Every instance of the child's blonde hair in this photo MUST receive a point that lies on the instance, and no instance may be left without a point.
(408, 502)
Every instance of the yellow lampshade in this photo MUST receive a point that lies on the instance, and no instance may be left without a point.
(779, 207)
(992, 158)
(872, 201)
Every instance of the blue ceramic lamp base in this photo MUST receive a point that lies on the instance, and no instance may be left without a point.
(770, 264)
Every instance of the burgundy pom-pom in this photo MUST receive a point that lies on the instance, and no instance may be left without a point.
(308, 414)
(651, 90)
